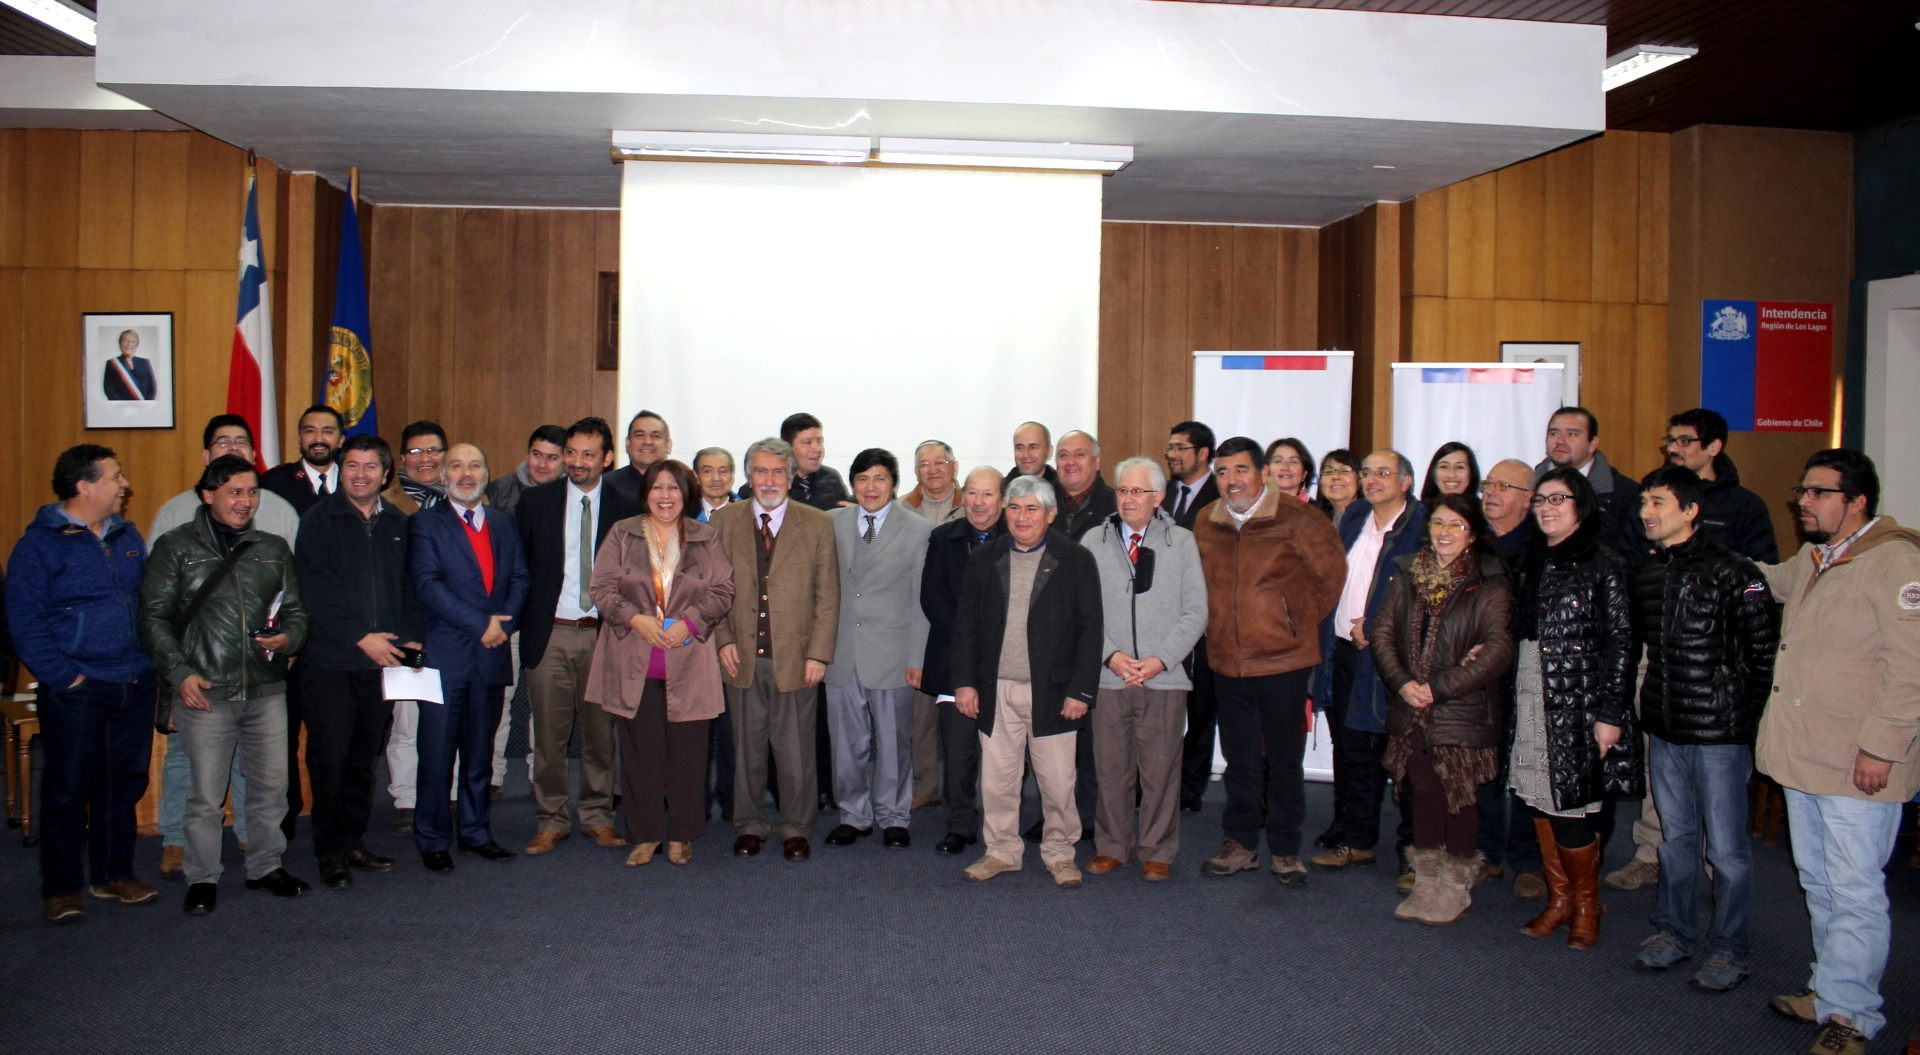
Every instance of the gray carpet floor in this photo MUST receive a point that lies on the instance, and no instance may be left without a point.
(871, 950)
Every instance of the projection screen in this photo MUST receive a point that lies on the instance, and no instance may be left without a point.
(896, 305)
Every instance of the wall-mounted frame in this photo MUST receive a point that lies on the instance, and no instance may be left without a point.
(127, 369)
(1564, 352)
(606, 318)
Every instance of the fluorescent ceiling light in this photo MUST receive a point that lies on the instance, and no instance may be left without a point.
(1638, 61)
(1071, 157)
(741, 146)
(72, 19)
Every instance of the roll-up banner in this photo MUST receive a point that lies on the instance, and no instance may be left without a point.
(1498, 409)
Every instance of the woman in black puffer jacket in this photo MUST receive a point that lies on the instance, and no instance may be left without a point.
(1573, 736)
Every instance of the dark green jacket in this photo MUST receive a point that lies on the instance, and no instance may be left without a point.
(218, 645)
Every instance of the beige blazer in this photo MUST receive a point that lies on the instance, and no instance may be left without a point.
(803, 592)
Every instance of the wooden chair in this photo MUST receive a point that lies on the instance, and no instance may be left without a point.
(22, 722)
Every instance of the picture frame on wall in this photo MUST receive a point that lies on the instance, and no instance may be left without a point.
(126, 369)
(1564, 352)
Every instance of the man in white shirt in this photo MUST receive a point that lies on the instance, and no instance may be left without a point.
(314, 475)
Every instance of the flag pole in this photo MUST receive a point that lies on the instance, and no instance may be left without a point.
(353, 184)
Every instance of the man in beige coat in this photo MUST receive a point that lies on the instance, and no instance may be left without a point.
(1839, 732)
(775, 646)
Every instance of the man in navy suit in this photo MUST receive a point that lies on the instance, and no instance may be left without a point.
(471, 581)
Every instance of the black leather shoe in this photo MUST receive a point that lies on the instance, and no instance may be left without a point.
(1189, 805)
(437, 860)
(1331, 839)
(953, 843)
(367, 861)
(279, 883)
(201, 898)
(490, 850)
(896, 839)
(845, 834)
(335, 873)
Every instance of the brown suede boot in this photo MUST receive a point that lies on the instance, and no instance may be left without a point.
(1583, 875)
(1559, 896)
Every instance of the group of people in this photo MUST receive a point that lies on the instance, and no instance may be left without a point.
(1511, 653)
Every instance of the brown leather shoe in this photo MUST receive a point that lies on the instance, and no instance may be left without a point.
(679, 853)
(746, 846)
(642, 854)
(1155, 871)
(1102, 864)
(796, 848)
(605, 837)
(1583, 876)
(173, 860)
(544, 842)
(64, 907)
(128, 891)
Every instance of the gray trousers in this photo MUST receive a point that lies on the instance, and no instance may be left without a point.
(557, 692)
(256, 730)
(766, 719)
(872, 733)
(1138, 740)
(926, 748)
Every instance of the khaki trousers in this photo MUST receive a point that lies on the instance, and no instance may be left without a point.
(1002, 758)
(1138, 738)
(557, 692)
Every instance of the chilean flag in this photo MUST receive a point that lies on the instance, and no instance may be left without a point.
(250, 388)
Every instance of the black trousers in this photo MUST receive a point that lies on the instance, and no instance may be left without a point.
(295, 714)
(1196, 750)
(960, 744)
(346, 732)
(661, 768)
(1572, 833)
(1358, 779)
(1263, 734)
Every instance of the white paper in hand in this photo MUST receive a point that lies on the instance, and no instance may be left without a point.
(411, 683)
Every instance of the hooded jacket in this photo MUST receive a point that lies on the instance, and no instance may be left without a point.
(1154, 608)
(1737, 517)
(73, 599)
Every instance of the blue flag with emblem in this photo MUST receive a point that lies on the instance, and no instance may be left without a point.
(350, 363)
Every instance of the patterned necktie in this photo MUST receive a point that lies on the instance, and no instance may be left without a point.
(868, 537)
(1133, 549)
(585, 571)
(980, 537)
(766, 531)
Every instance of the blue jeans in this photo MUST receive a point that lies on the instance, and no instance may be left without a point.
(1701, 790)
(98, 742)
(1841, 845)
(176, 776)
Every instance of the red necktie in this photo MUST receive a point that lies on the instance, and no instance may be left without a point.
(1133, 549)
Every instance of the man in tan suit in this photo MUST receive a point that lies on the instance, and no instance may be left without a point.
(775, 646)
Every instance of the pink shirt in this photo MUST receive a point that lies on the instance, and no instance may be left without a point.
(1361, 559)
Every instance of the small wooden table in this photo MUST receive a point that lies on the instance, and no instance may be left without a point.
(22, 726)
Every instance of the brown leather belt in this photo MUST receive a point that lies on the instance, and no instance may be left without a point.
(591, 622)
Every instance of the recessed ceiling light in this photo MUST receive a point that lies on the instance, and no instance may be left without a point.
(1638, 61)
(1386, 166)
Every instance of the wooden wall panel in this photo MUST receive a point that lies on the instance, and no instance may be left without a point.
(106, 200)
(52, 200)
(1567, 235)
(1519, 266)
(1472, 233)
(1616, 218)
(160, 192)
(13, 196)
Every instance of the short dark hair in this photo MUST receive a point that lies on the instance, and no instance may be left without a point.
(369, 442)
(1593, 423)
(221, 421)
(1308, 467)
(644, 413)
(1585, 502)
(797, 424)
(1708, 423)
(1431, 487)
(422, 428)
(1197, 434)
(553, 434)
(682, 478)
(588, 426)
(1687, 487)
(873, 456)
(339, 419)
(1468, 508)
(1238, 445)
(1858, 478)
(222, 469)
(76, 465)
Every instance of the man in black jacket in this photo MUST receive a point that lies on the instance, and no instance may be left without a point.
(1729, 514)
(1190, 487)
(314, 475)
(352, 561)
(948, 549)
(1026, 666)
(1710, 629)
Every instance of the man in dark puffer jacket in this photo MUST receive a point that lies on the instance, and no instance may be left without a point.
(1710, 628)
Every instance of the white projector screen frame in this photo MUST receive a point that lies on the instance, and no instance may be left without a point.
(896, 305)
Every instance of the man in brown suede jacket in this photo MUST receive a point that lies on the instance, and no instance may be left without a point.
(1274, 568)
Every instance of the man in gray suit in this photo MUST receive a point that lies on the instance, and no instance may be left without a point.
(882, 553)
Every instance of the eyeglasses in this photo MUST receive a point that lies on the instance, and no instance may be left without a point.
(1679, 441)
(1817, 492)
(924, 466)
(1133, 492)
(1448, 526)
(417, 451)
(1380, 474)
(1176, 448)
(1554, 500)
(228, 443)
(1499, 487)
(1338, 470)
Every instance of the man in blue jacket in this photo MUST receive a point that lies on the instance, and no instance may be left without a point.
(73, 594)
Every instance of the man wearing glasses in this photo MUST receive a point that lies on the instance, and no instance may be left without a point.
(418, 484)
(1732, 515)
(1506, 835)
(1190, 487)
(1838, 732)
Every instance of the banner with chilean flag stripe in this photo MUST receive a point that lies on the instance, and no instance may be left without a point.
(250, 384)
(1498, 409)
(1267, 395)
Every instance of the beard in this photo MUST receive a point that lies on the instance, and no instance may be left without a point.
(1819, 537)
(323, 459)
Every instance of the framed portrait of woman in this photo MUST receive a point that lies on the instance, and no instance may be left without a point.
(127, 370)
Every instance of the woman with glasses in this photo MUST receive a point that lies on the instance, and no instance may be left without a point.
(1290, 468)
(1453, 470)
(1441, 645)
(1573, 738)
(1339, 483)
